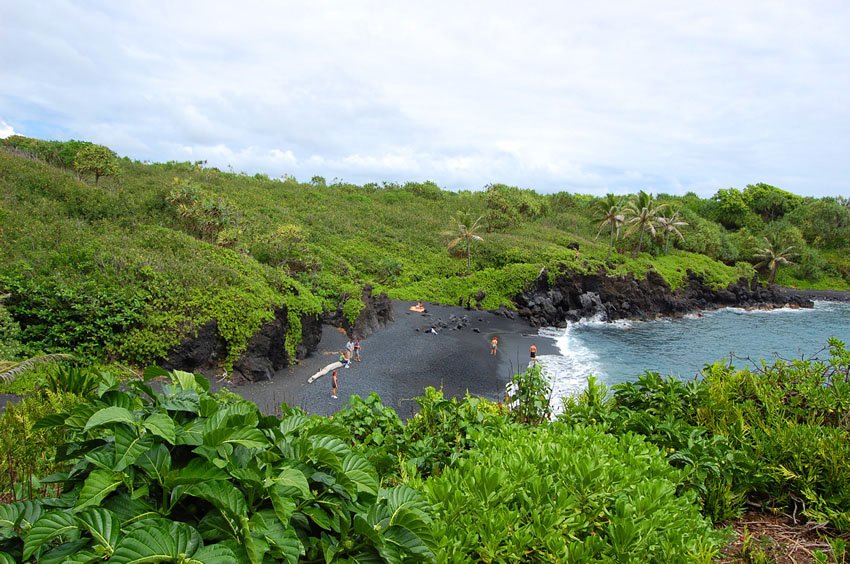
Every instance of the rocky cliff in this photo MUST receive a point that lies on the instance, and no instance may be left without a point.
(266, 352)
(575, 296)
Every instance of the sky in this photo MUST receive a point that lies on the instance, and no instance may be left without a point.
(590, 97)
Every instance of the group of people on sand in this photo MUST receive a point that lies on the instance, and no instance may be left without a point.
(351, 353)
(532, 350)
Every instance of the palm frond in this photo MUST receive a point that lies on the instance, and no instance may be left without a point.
(9, 374)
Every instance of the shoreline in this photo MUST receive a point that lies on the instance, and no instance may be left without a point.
(403, 358)
(818, 295)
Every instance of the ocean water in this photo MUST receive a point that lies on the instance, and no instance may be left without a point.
(623, 350)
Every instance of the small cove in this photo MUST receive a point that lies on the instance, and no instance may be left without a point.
(621, 351)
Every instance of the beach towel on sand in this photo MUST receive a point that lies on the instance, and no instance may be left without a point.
(323, 371)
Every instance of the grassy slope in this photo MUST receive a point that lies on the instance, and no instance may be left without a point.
(131, 279)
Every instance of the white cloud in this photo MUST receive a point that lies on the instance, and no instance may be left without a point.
(6, 130)
(661, 95)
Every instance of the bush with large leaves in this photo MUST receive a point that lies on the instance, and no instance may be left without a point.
(183, 475)
(557, 493)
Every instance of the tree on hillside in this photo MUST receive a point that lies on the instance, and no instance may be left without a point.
(770, 202)
(203, 214)
(641, 214)
(610, 215)
(97, 160)
(771, 258)
(466, 233)
(669, 227)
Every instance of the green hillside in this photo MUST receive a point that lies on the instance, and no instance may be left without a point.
(124, 261)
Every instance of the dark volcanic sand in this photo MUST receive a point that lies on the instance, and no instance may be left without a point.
(399, 362)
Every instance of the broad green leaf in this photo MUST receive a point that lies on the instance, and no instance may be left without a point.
(282, 537)
(197, 470)
(361, 472)
(80, 415)
(6, 558)
(318, 516)
(289, 425)
(185, 380)
(236, 415)
(156, 462)
(152, 372)
(214, 526)
(409, 542)
(255, 545)
(183, 400)
(103, 456)
(31, 511)
(325, 428)
(9, 515)
(144, 545)
(249, 438)
(213, 554)
(129, 445)
(107, 415)
(186, 539)
(291, 483)
(97, 486)
(222, 495)
(283, 505)
(102, 525)
(50, 421)
(162, 426)
(63, 553)
(191, 433)
(363, 527)
(117, 398)
(128, 510)
(49, 526)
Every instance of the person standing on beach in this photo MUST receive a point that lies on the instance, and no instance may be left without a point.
(334, 385)
(532, 352)
(349, 346)
(357, 350)
(494, 346)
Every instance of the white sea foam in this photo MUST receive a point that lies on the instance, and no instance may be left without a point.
(568, 371)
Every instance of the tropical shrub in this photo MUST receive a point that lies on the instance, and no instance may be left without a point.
(529, 396)
(28, 452)
(558, 493)
(184, 475)
(444, 430)
(10, 334)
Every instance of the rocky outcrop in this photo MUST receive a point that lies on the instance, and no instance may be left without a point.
(265, 354)
(377, 313)
(575, 296)
(202, 352)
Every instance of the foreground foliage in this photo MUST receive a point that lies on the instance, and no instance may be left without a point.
(776, 436)
(183, 475)
(566, 494)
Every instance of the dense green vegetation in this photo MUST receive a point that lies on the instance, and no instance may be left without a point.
(118, 470)
(115, 259)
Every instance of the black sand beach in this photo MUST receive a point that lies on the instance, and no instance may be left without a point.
(402, 359)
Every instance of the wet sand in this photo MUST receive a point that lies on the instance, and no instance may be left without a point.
(402, 359)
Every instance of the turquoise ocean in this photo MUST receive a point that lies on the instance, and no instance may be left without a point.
(621, 351)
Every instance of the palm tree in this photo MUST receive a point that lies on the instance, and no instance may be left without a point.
(610, 214)
(669, 226)
(467, 232)
(772, 259)
(642, 213)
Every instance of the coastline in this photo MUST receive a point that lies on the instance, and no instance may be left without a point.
(401, 359)
(824, 295)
